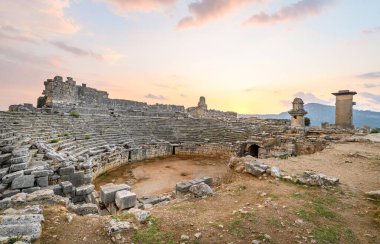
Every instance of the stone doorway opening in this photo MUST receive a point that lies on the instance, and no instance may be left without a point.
(253, 150)
(173, 151)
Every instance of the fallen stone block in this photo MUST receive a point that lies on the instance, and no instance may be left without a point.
(5, 157)
(3, 172)
(57, 189)
(125, 199)
(84, 190)
(183, 186)
(108, 192)
(201, 190)
(31, 189)
(77, 178)
(84, 209)
(140, 215)
(10, 177)
(20, 152)
(67, 187)
(114, 226)
(255, 169)
(19, 160)
(43, 181)
(17, 167)
(67, 170)
(275, 172)
(9, 193)
(41, 195)
(373, 194)
(40, 173)
(24, 181)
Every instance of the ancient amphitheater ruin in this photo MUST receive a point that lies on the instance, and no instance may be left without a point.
(52, 155)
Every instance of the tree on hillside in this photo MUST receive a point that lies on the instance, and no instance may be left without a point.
(307, 121)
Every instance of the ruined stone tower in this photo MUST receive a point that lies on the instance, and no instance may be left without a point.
(343, 108)
(297, 113)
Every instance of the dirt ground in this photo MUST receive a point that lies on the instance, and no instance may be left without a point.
(157, 176)
(246, 208)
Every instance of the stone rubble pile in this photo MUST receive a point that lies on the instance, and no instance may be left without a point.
(311, 178)
(199, 187)
(116, 198)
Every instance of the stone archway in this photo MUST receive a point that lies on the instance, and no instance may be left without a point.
(253, 150)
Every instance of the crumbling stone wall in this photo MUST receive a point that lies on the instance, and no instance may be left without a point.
(66, 96)
(205, 149)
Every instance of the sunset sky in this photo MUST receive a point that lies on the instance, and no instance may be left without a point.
(248, 56)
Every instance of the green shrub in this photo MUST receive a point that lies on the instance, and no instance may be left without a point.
(307, 121)
(375, 130)
(86, 137)
(74, 114)
(55, 140)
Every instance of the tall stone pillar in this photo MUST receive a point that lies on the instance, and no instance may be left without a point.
(343, 109)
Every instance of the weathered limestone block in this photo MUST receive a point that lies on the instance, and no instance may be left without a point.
(84, 190)
(77, 178)
(43, 181)
(316, 179)
(67, 170)
(125, 199)
(67, 187)
(255, 169)
(31, 189)
(10, 177)
(57, 189)
(7, 149)
(17, 167)
(40, 173)
(84, 209)
(24, 224)
(24, 181)
(55, 156)
(275, 172)
(41, 195)
(19, 160)
(183, 186)
(20, 152)
(5, 157)
(373, 194)
(114, 226)
(9, 193)
(108, 192)
(201, 190)
(3, 172)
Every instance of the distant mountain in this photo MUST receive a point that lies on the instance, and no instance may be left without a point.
(319, 113)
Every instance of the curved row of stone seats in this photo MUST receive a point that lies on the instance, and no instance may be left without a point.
(140, 129)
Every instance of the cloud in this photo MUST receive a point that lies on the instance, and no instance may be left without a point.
(311, 98)
(374, 30)
(108, 55)
(14, 56)
(371, 85)
(207, 10)
(294, 11)
(119, 6)
(371, 75)
(155, 97)
(75, 50)
(36, 18)
(11, 33)
(371, 97)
